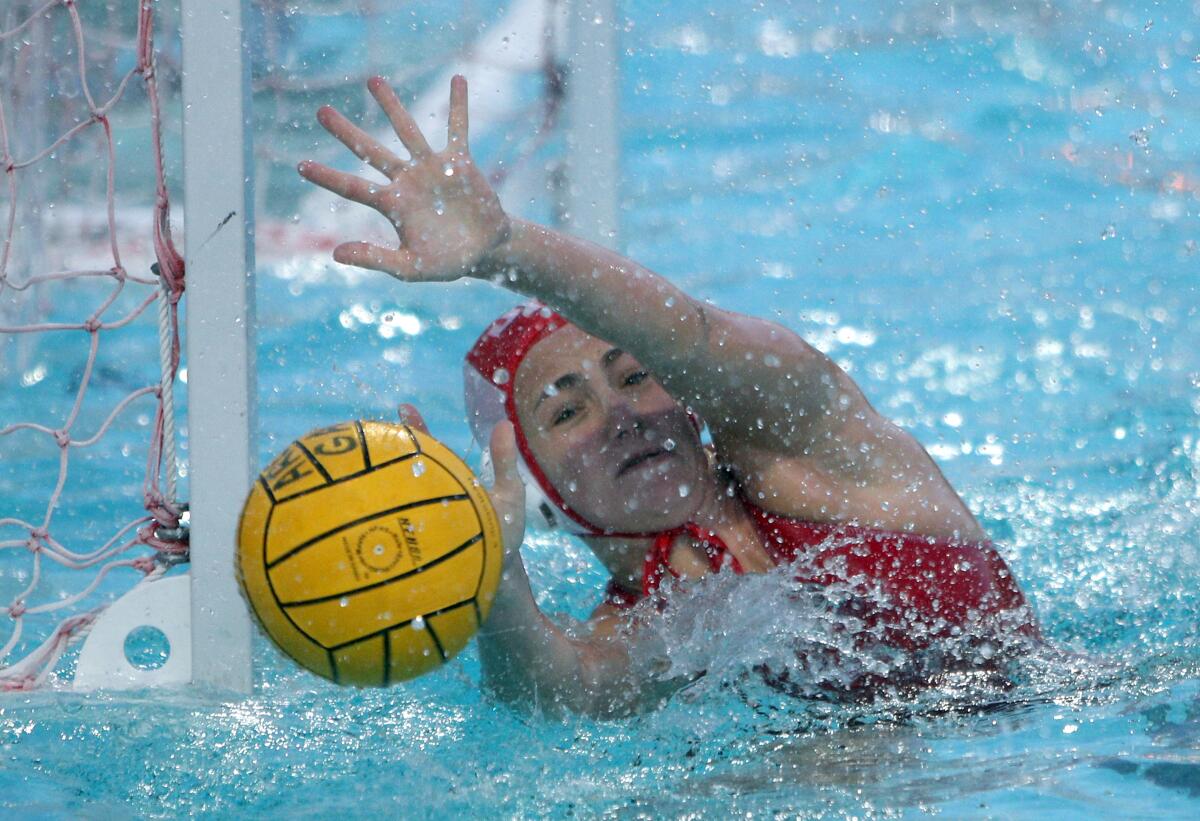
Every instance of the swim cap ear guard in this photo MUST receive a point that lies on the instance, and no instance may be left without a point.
(488, 376)
(539, 510)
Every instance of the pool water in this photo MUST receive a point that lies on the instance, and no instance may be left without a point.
(987, 214)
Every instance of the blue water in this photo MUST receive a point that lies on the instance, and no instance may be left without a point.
(972, 208)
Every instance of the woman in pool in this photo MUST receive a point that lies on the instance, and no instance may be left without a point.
(596, 405)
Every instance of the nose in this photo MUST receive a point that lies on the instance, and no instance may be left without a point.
(624, 420)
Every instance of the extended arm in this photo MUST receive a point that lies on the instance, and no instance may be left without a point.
(751, 379)
(747, 377)
(791, 423)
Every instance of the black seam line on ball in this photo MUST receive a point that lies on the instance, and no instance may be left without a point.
(267, 490)
(315, 463)
(383, 582)
(478, 613)
(362, 443)
(347, 477)
(337, 677)
(436, 641)
(413, 437)
(379, 514)
(387, 660)
(399, 626)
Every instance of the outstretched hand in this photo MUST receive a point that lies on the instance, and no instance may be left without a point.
(445, 213)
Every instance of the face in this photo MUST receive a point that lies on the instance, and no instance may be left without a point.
(617, 447)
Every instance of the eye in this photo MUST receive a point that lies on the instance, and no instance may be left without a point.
(565, 414)
(636, 378)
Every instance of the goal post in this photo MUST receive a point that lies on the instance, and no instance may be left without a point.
(218, 202)
(592, 166)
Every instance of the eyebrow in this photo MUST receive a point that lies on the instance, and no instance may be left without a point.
(564, 382)
(612, 356)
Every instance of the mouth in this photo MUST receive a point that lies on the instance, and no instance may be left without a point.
(651, 456)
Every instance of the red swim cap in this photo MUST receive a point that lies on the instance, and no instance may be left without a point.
(488, 379)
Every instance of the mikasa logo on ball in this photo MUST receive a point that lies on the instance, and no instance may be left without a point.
(378, 549)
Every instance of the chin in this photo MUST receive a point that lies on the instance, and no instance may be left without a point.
(659, 502)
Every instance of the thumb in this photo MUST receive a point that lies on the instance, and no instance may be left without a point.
(503, 446)
(409, 415)
(508, 491)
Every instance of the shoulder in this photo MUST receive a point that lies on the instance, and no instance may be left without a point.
(876, 476)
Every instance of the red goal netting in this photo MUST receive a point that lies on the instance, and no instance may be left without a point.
(75, 274)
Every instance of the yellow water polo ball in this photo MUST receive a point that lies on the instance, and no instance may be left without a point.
(369, 552)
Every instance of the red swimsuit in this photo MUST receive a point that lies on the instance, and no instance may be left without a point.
(931, 588)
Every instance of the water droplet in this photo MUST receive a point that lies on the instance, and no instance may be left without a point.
(668, 445)
(344, 601)
(500, 377)
(448, 169)
(572, 486)
(439, 207)
(684, 491)
(418, 467)
(771, 361)
(418, 623)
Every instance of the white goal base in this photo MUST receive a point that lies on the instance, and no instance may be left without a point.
(163, 605)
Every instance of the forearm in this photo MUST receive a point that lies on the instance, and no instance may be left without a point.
(526, 659)
(735, 369)
(604, 293)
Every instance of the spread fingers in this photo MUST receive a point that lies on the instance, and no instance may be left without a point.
(457, 128)
(340, 183)
(364, 146)
(402, 122)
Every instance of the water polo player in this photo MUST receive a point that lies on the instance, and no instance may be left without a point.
(593, 396)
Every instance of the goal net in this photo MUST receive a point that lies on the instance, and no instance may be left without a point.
(96, 476)
(90, 282)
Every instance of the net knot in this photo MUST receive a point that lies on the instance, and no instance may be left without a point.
(92, 324)
(62, 437)
(146, 564)
(119, 273)
(36, 537)
(156, 505)
(17, 609)
(10, 166)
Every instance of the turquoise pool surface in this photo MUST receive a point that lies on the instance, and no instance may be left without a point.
(986, 213)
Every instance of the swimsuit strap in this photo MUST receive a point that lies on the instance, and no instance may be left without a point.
(658, 558)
